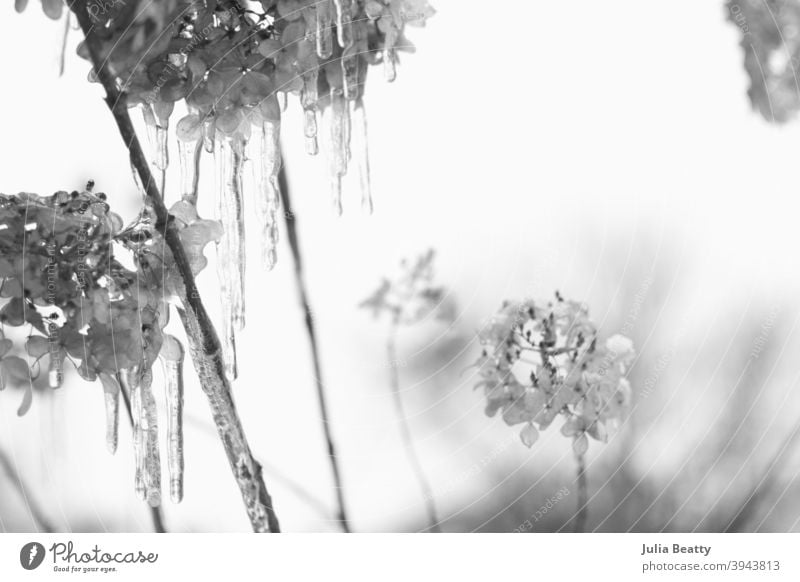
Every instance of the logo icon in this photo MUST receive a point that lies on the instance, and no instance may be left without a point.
(31, 555)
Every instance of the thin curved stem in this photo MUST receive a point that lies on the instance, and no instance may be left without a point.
(155, 512)
(405, 433)
(204, 344)
(294, 244)
(583, 495)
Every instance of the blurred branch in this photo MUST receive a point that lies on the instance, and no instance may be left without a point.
(36, 513)
(405, 432)
(583, 495)
(294, 244)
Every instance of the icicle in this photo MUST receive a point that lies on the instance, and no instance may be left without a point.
(283, 100)
(111, 395)
(150, 125)
(149, 424)
(189, 153)
(208, 134)
(324, 30)
(162, 148)
(112, 421)
(310, 130)
(269, 195)
(339, 148)
(309, 99)
(172, 355)
(361, 142)
(145, 434)
(55, 377)
(344, 22)
(129, 378)
(231, 248)
(350, 73)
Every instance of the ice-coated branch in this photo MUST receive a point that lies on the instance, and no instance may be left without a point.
(204, 342)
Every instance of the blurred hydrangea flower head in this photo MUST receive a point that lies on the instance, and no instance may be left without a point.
(770, 32)
(412, 295)
(541, 361)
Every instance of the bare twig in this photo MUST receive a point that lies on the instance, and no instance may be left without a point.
(294, 244)
(405, 433)
(39, 518)
(583, 495)
(203, 340)
(155, 512)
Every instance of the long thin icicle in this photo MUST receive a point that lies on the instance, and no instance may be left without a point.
(162, 148)
(339, 149)
(150, 126)
(309, 98)
(145, 434)
(361, 144)
(268, 197)
(149, 424)
(189, 153)
(344, 22)
(111, 395)
(172, 356)
(131, 382)
(231, 248)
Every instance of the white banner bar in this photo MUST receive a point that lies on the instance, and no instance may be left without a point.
(400, 557)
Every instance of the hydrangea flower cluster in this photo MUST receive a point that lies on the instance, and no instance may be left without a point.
(60, 276)
(235, 61)
(770, 32)
(541, 361)
(412, 296)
